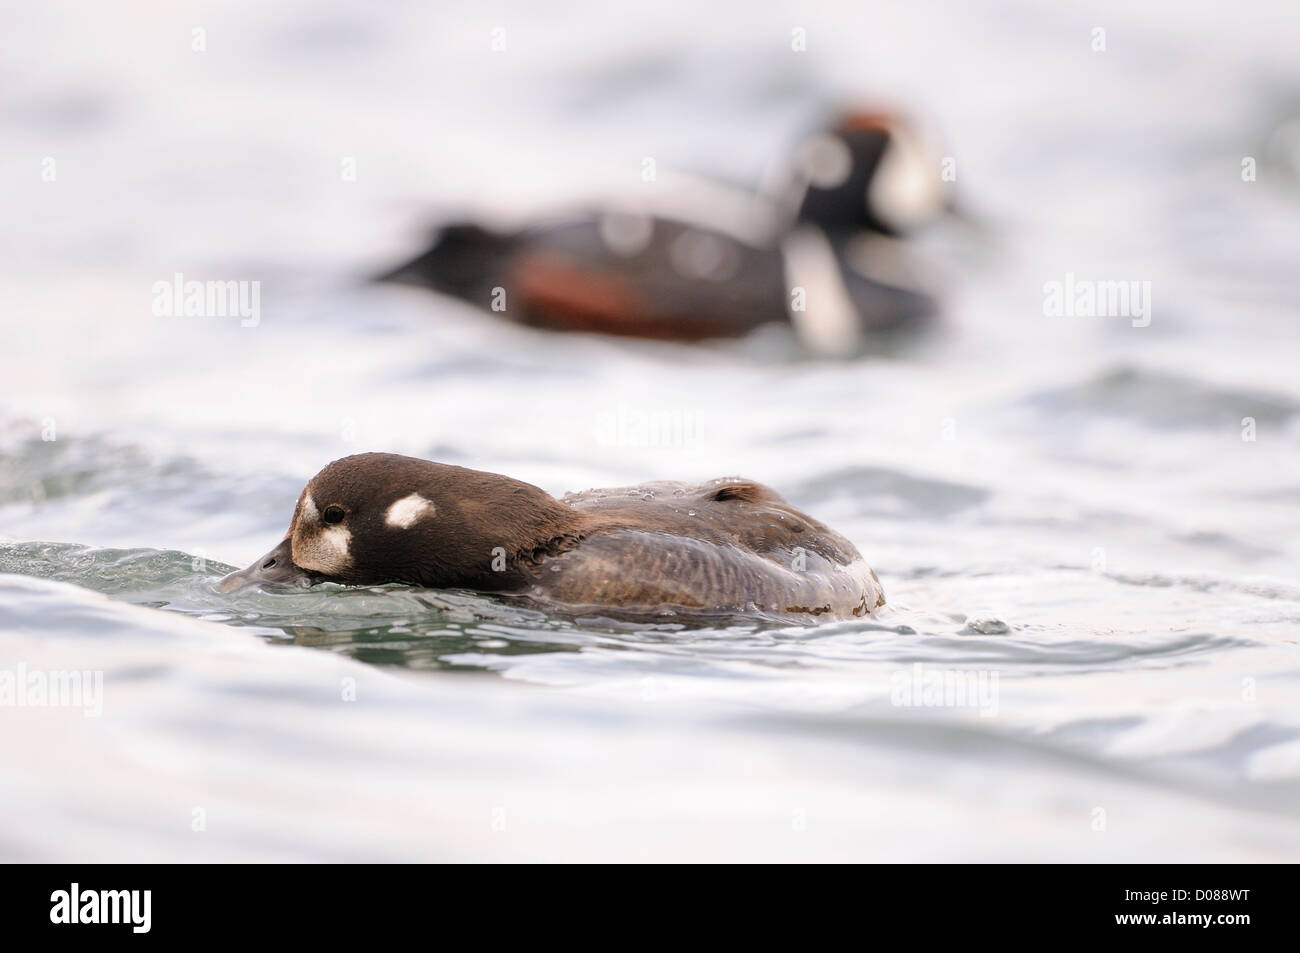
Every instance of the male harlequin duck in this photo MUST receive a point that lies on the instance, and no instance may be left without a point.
(728, 546)
(643, 273)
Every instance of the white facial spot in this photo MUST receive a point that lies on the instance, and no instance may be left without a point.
(408, 511)
(315, 546)
(906, 190)
(335, 549)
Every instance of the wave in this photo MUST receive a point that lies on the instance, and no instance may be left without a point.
(1163, 401)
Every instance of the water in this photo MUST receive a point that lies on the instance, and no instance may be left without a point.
(1063, 509)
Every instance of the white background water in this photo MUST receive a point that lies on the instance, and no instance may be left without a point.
(1067, 504)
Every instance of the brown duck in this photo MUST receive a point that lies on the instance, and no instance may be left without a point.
(727, 546)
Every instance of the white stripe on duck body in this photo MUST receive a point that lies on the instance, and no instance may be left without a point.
(728, 546)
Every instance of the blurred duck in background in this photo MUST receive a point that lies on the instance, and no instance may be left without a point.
(710, 261)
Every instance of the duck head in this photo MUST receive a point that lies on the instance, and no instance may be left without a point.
(377, 518)
(870, 170)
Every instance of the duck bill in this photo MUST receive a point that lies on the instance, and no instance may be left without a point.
(276, 568)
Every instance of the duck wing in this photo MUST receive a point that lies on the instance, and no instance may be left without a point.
(726, 546)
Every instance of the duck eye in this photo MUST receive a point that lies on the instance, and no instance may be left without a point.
(333, 514)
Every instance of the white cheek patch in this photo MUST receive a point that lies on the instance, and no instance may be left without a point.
(337, 543)
(323, 549)
(328, 551)
(408, 511)
(905, 191)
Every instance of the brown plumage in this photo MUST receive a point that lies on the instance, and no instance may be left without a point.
(728, 546)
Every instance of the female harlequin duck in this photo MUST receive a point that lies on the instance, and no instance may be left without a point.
(643, 273)
(728, 546)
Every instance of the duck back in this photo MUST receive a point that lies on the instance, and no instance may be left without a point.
(723, 547)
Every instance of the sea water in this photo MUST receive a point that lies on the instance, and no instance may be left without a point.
(1087, 523)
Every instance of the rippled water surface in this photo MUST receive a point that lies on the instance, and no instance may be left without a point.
(1090, 528)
